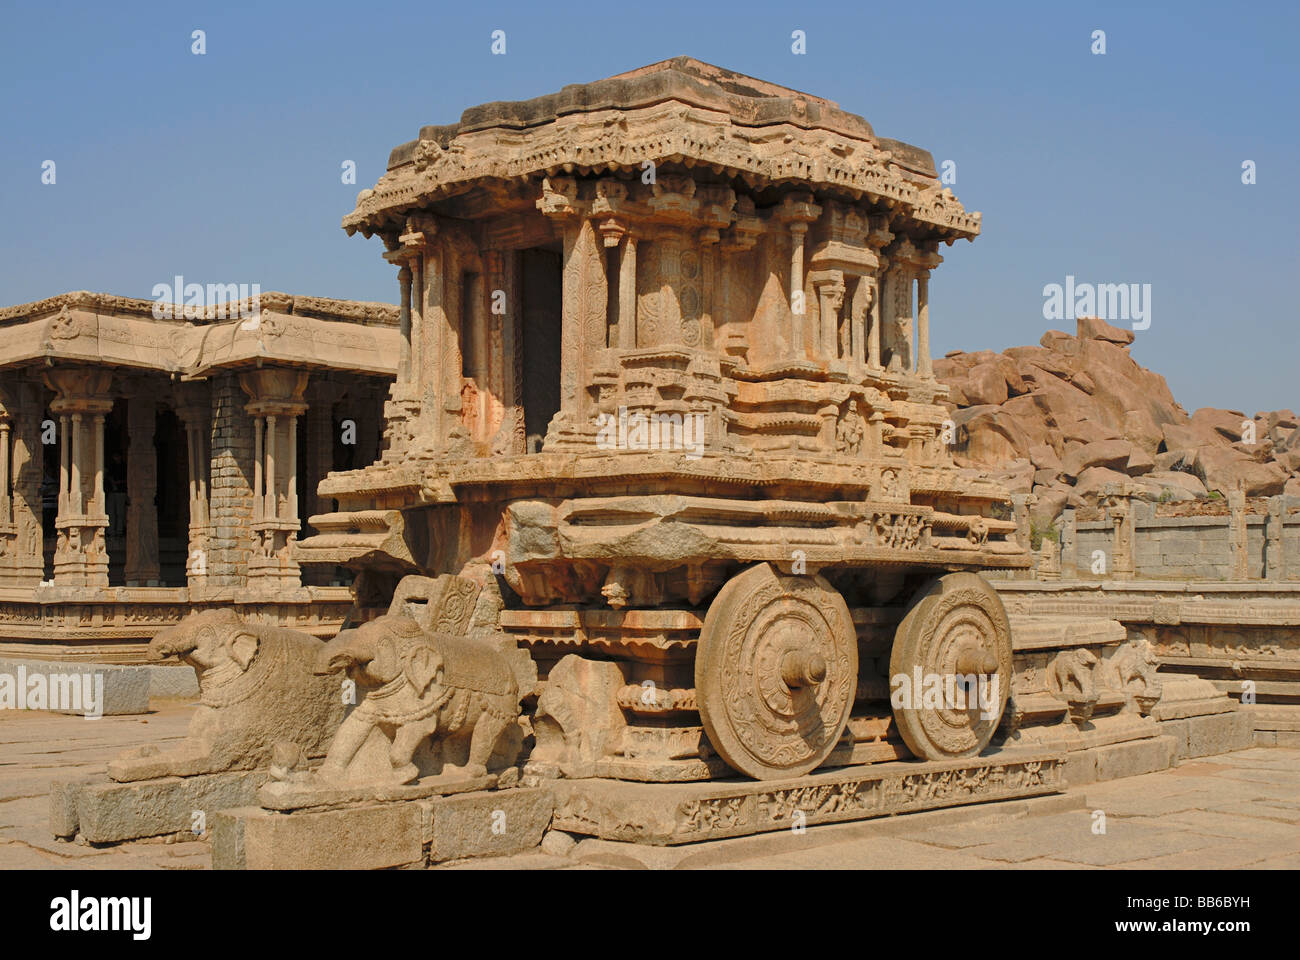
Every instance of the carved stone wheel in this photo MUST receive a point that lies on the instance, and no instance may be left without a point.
(776, 672)
(955, 627)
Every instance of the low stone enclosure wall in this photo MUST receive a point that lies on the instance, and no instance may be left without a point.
(1244, 638)
(1228, 539)
(102, 636)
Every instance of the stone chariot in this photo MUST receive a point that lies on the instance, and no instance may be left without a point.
(665, 393)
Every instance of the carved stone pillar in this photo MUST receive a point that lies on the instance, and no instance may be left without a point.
(276, 401)
(923, 368)
(1069, 544)
(1274, 559)
(21, 465)
(898, 319)
(1237, 532)
(193, 407)
(506, 320)
(797, 211)
(404, 323)
(627, 294)
(406, 413)
(873, 337)
(798, 307)
(82, 401)
(583, 324)
(830, 301)
(142, 567)
(1124, 521)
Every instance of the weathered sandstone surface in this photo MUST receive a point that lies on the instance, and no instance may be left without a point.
(1064, 419)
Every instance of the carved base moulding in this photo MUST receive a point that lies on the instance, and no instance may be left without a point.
(667, 814)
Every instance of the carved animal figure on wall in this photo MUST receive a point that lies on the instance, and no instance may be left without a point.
(257, 688)
(1136, 665)
(1072, 676)
(419, 684)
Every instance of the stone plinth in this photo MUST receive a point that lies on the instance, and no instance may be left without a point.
(381, 835)
(667, 814)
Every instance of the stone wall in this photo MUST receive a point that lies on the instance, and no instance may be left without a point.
(1200, 547)
(231, 505)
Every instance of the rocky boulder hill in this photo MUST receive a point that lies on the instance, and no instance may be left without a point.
(1064, 419)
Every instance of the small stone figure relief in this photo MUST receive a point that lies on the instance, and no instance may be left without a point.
(1073, 681)
(848, 431)
(1136, 665)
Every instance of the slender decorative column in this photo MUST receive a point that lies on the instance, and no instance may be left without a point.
(65, 465)
(259, 494)
(865, 298)
(923, 368)
(82, 394)
(101, 508)
(276, 395)
(6, 498)
(272, 509)
(9, 547)
(22, 457)
(77, 454)
(404, 323)
(830, 300)
(627, 294)
(1237, 533)
(799, 309)
(416, 307)
(293, 469)
(873, 337)
(797, 211)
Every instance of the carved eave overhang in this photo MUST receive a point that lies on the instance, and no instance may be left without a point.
(681, 112)
(294, 341)
(101, 329)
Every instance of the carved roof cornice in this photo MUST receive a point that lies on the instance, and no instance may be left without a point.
(101, 330)
(106, 303)
(678, 111)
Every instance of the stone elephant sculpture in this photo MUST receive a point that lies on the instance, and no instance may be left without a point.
(257, 687)
(1072, 676)
(420, 685)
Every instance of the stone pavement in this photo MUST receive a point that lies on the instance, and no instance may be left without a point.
(1235, 810)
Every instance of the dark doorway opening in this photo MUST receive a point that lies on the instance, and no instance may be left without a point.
(542, 286)
(172, 498)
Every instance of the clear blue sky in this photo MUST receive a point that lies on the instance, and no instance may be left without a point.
(1123, 168)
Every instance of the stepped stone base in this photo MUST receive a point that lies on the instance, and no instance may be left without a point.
(104, 811)
(379, 835)
(125, 689)
(1207, 735)
(1131, 758)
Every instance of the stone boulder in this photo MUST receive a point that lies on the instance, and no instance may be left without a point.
(1139, 462)
(985, 383)
(1091, 482)
(1176, 479)
(1111, 454)
(1044, 414)
(1228, 423)
(1223, 469)
(1051, 501)
(1094, 328)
